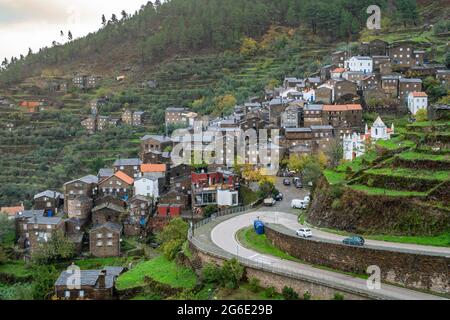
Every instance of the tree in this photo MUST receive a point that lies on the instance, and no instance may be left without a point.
(223, 104)
(447, 59)
(421, 115)
(335, 152)
(124, 15)
(57, 248)
(289, 293)
(113, 18)
(104, 20)
(249, 47)
(6, 228)
(44, 277)
(172, 237)
(69, 35)
(232, 273)
(312, 172)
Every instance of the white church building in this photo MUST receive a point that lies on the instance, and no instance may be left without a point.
(354, 144)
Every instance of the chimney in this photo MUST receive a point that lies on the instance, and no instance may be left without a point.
(102, 279)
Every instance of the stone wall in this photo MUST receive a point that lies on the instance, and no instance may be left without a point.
(407, 269)
(278, 281)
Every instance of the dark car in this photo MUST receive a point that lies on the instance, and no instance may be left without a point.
(298, 184)
(354, 241)
(279, 197)
(287, 182)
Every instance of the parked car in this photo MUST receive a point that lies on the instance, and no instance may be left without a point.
(304, 232)
(295, 179)
(354, 241)
(269, 202)
(279, 197)
(286, 182)
(299, 184)
(299, 204)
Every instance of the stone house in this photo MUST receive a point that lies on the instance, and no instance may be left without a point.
(401, 54)
(107, 212)
(120, 185)
(177, 116)
(443, 76)
(389, 84)
(343, 88)
(155, 143)
(48, 201)
(79, 207)
(131, 167)
(405, 86)
(343, 116)
(85, 186)
(104, 240)
(92, 284)
(338, 58)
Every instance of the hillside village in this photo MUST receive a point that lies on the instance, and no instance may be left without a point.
(138, 197)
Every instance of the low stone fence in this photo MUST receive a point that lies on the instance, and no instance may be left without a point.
(418, 271)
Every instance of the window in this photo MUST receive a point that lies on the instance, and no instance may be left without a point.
(110, 243)
(99, 235)
(49, 204)
(25, 226)
(81, 294)
(67, 294)
(110, 235)
(49, 226)
(99, 243)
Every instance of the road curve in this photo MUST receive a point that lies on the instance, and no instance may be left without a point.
(224, 236)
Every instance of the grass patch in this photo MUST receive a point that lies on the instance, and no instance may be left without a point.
(395, 143)
(160, 270)
(244, 292)
(248, 238)
(410, 173)
(412, 155)
(386, 192)
(334, 177)
(16, 268)
(248, 196)
(98, 263)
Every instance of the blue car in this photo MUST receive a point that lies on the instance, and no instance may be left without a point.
(354, 241)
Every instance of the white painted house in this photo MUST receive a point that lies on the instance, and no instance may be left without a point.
(354, 145)
(417, 101)
(147, 187)
(359, 63)
(229, 198)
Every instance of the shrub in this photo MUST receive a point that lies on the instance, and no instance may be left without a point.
(254, 284)
(289, 293)
(336, 204)
(172, 237)
(232, 273)
(338, 296)
(211, 273)
(270, 292)
(307, 296)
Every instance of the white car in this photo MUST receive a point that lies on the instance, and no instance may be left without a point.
(304, 232)
(299, 204)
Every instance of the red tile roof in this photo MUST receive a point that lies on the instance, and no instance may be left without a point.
(30, 104)
(11, 211)
(340, 70)
(124, 177)
(419, 94)
(148, 168)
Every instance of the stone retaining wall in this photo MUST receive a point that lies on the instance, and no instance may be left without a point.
(407, 269)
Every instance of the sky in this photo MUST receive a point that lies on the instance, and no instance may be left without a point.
(37, 23)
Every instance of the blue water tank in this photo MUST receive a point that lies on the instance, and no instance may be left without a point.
(50, 213)
(259, 227)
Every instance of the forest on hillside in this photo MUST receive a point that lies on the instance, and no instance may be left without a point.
(181, 26)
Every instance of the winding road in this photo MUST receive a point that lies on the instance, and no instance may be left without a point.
(223, 235)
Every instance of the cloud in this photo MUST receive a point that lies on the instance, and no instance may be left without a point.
(36, 23)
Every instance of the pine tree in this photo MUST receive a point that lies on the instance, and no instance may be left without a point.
(104, 20)
(69, 35)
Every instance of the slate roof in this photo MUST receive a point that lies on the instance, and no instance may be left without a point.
(313, 107)
(29, 213)
(108, 205)
(158, 138)
(48, 194)
(105, 172)
(127, 162)
(85, 179)
(321, 127)
(108, 225)
(90, 277)
(411, 80)
(298, 129)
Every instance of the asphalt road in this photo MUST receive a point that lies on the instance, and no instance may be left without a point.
(224, 236)
(291, 192)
